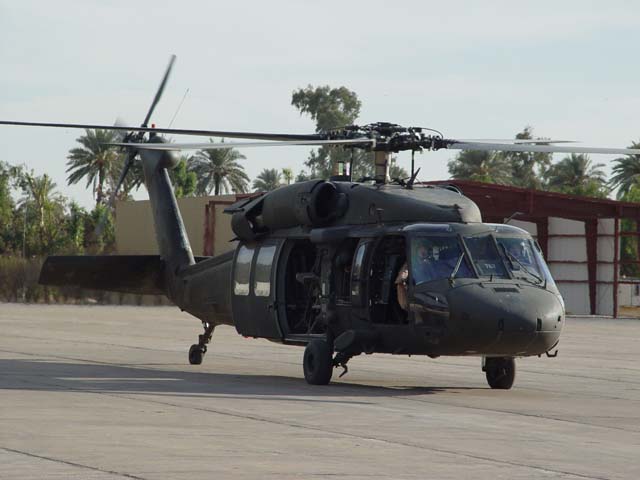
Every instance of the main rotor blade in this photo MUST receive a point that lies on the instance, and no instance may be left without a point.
(536, 141)
(172, 131)
(215, 146)
(505, 147)
(156, 99)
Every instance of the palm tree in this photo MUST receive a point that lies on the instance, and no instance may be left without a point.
(489, 167)
(269, 179)
(287, 174)
(95, 161)
(219, 170)
(576, 174)
(45, 204)
(625, 172)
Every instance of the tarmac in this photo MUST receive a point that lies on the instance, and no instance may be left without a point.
(93, 392)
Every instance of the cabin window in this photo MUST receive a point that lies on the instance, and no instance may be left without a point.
(262, 277)
(243, 271)
(356, 274)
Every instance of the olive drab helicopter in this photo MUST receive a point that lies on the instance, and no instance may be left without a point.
(340, 267)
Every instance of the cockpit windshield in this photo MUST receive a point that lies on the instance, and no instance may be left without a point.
(438, 257)
(485, 256)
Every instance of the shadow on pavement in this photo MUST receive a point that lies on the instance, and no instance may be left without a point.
(20, 374)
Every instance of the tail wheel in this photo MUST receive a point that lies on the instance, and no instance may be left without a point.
(196, 352)
(501, 372)
(318, 362)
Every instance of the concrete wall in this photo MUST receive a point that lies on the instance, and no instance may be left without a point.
(135, 234)
(223, 235)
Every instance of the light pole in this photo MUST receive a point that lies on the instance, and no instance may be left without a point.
(24, 245)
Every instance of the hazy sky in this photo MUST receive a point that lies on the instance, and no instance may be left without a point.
(469, 69)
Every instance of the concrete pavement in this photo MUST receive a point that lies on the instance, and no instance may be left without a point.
(107, 393)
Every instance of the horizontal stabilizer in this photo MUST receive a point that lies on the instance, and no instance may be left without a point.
(139, 274)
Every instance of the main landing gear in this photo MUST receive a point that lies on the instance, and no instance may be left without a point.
(500, 371)
(318, 361)
(197, 350)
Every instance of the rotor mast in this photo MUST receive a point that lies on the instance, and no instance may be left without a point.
(382, 161)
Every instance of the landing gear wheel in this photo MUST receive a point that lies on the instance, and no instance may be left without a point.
(196, 353)
(197, 350)
(501, 372)
(318, 362)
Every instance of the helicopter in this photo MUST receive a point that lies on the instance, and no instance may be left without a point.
(339, 267)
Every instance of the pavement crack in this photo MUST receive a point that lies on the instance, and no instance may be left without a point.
(72, 464)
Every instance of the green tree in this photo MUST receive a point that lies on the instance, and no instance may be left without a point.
(184, 180)
(99, 228)
(74, 227)
(629, 248)
(95, 162)
(527, 168)
(625, 172)
(330, 108)
(43, 209)
(219, 170)
(481, 166)
(396, 171)
(7, 206)
(269, 179)
(577, 175)
(363, 164)
(303, 176)
(287, 174)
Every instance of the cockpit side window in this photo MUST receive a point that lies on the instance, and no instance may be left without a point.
(436, 258)
(543, 266)
(520, 255)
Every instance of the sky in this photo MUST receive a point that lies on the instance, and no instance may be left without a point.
(469, 69)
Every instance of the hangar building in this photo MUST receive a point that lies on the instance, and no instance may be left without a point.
(579, 236)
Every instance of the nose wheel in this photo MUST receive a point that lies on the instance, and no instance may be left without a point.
(500, 371)
(197, 350)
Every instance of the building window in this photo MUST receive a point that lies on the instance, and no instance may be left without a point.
(243, 271)
(262, 277)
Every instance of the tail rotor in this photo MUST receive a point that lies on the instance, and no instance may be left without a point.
(129, 153)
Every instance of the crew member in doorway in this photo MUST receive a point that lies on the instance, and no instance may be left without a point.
(401, 286)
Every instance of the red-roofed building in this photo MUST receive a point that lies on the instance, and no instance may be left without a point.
(580, 238)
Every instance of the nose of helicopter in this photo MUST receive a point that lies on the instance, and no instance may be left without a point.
(506, 319)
